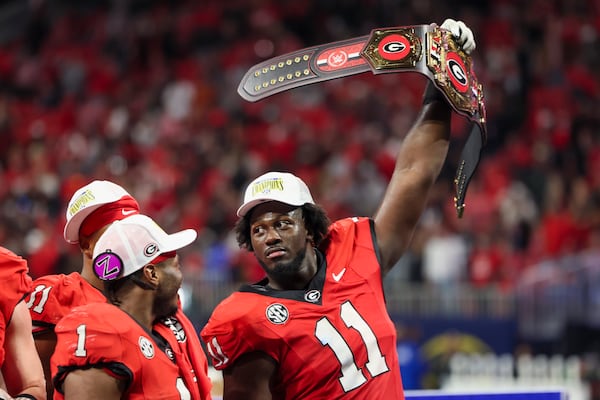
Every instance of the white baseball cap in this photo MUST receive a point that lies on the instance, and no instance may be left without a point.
(129, 244)
(89, 198)
(275, 186)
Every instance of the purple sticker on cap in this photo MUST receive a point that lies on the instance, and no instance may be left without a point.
(108, 266)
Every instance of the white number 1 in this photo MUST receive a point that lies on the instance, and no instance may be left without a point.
(184, 393)
(80, 351)
(352, 376)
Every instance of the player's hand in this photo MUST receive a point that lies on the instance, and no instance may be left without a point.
(462, 33)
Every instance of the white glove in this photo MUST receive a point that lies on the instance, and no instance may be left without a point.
(462, 33)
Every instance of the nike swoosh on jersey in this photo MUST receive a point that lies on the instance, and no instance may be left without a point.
(127, 212)
(338, 276)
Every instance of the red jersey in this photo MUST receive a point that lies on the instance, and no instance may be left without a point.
(180, 333)
(54, 296)
(16, 283)
(332, 340)
(104, 336)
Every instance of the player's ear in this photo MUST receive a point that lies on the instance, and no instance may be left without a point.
(310, 237)
(86, 247)
(87, 243)
(151, 274)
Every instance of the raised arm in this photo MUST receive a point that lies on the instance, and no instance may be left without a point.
(418, 165)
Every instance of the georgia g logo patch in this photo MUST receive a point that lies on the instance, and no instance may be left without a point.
(277, 314)
(394, 47)
(312, 296)
(457, 72)
(150, 249)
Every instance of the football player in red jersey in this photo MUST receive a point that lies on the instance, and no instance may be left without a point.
(111, 350)
(317, 327)
(90, 210)
(21, 375)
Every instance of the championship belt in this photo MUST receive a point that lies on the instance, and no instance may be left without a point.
(426, 49)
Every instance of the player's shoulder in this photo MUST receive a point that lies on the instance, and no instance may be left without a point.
(58, 291)
(101, 333)
(73, 280)
(238, 308)
(238, 304)
(102, 317)
(54, 296)
(67, 288)
(6, 254)
(11, 263)
(353, 228)
(345, 224)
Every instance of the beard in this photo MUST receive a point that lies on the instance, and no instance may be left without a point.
(286, 271)
(165, 303)
(163, 308)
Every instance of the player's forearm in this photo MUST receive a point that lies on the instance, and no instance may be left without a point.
(27, 395)
(22, 371)
(418, 165)
(36, 391)
(28, 391)
(45, 342)
(425, 147)
(26, 387)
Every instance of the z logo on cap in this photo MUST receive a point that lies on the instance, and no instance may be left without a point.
(108, 266)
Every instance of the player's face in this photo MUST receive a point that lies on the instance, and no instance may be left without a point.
(165, 303)
(280, 242)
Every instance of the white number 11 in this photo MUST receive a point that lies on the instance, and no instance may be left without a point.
(352, 376)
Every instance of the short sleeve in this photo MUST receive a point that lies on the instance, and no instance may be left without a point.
(16, 282)
(87, 338)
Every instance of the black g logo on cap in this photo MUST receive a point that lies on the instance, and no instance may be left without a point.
(150, 249)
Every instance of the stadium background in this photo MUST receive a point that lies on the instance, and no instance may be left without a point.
(144, 93)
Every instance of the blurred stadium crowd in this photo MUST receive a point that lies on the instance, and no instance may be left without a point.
(144, 93)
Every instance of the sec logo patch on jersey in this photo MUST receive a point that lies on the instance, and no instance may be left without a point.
(146, 347)
(277, 314)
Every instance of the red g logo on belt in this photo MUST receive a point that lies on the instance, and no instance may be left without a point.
(394, 47)
(457, 72)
